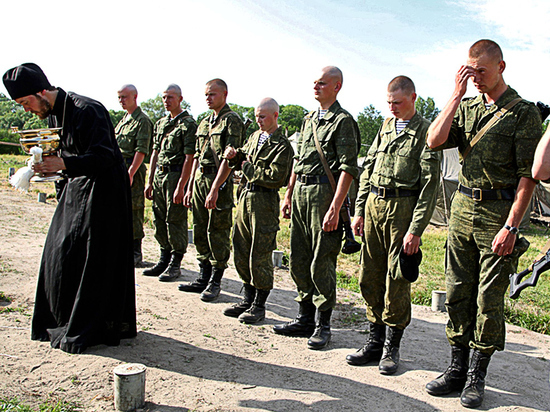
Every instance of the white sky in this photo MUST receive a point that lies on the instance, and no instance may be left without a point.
(273, 48)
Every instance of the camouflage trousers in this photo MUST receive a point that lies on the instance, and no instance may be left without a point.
(476, 277)
(212, 228)
(170, 218)
(313, 252)
(387, 294)
(255, 237)
(138, 201)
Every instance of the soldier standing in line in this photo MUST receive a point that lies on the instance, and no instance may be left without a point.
(495, 188)
(210, 191)
(314, 208)
(397, 196)
(266, 162)
(133, 135)
(170, 167)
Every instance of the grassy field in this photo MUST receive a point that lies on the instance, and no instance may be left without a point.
(531, 310)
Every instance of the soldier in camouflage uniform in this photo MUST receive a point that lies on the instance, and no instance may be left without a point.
(210, 191)
(266, 162)
(133, 135)
(397, 196)
(171, 162)
(313, 207)
(495, 188)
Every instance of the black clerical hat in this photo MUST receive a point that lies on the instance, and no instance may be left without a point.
(25, 80)
(408, 264)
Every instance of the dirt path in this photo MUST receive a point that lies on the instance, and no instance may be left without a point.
(198, 359)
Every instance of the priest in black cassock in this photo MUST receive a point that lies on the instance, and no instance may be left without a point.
(86, 291)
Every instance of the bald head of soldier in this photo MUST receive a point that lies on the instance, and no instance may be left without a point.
(216, 95)
(172, 98)
(485, 58)
(327, 86)
(127, 97)
(401, 97)
(267, 113)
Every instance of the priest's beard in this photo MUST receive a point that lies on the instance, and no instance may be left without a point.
(44, 109)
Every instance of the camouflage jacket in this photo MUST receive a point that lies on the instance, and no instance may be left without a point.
(403, 161)
(174, 138)
(226, 129)
(269, 166)
(505, 153)
(339, 137)
(133, 133)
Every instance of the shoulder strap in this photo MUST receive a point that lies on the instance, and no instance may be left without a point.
(323, 158)
(496, 117)
(214, 154)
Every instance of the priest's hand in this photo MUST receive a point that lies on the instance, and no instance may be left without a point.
(49, 164)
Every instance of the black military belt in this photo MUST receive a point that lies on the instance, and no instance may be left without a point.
(169, 168)
(128, 161)
(208, 170)
(386, 192)
(488, 194)
(312, 179)
(252, 187)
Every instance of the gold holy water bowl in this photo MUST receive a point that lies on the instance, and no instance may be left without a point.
(48, 140)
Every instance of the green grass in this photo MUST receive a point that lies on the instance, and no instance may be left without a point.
(52, 404)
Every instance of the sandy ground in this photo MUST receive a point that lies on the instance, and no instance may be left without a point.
(198, 359)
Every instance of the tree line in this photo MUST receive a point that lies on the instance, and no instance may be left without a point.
(290, 118)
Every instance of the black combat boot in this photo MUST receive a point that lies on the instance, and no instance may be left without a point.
(238, 308)
(454, 378)
(390, 354)
(161, 266)
(173, 271)
(214, 287)
(138, 256)
(303, 325)
(372, 351)
(199, 284)
(474, 389)
(256, 313)
(321, 335)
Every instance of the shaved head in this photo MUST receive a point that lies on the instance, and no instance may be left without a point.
(487, 48)
(402, 83)
(269, 104)
(335, 73)
(129, 88)
(218, 82)
(174, 88)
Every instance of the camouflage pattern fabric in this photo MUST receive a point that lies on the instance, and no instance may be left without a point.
(396, 161)
(133, 134)
(257, 218)
(173, 139)
(212, 228)
(314, 252)
(170, 218)
(476, 277)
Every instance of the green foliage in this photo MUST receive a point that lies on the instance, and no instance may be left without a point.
(426, 108)
(246, 113)
(154, 108)
(116, 116)
(369, 121)
(203, 115)
(290, 117)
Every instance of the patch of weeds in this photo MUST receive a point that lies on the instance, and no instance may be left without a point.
(52, 404)
(208, 335)
(158, 316)
(4, 297)
(13, 310)
(252, 342)
(347, 281)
